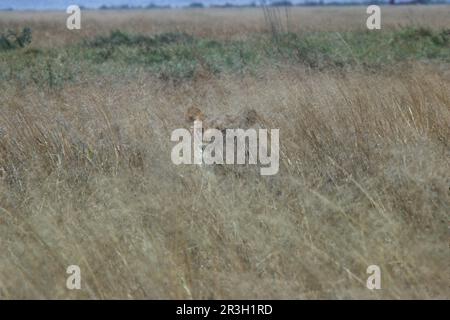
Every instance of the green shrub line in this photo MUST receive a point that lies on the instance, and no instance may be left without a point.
(182, 56)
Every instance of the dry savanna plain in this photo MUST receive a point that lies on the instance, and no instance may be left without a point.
(86, 176)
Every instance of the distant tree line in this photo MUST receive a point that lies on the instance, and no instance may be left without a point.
(276, 3)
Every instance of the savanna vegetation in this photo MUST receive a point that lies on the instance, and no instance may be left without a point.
(86, 176)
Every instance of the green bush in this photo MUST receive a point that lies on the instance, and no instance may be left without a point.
(119, 38)
(12, 40)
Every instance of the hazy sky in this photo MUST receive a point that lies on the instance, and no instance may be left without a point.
(62, 4)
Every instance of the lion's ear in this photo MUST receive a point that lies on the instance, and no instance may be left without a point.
(194, 113)
(248, 118)
(251, 117)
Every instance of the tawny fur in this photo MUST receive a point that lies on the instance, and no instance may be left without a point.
(243, 120)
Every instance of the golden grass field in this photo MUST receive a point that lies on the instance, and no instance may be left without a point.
(86, 176)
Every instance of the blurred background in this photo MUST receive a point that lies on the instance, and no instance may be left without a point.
(154, 4)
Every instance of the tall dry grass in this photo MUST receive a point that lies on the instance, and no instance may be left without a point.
(86, 179)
